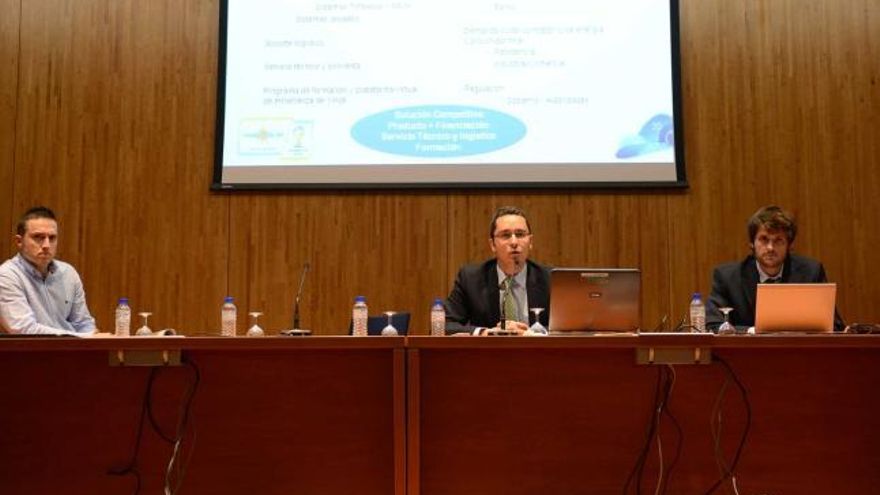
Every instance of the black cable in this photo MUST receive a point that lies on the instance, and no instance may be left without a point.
(669, 381)
(655, 425)
(662, 391)
(185, 423)
(745, 396)
(131, 466)
(153, 422)
(649, 438)
(716, 426)
(661, 326)
(679, 435)
(748, 406)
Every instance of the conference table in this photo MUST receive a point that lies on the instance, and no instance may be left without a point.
(442, 415)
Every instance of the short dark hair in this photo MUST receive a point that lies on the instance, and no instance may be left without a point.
(35, 212)
(507, 210)
(772, 217)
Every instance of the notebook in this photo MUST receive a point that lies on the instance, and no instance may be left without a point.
(795, 308)
(594, 300)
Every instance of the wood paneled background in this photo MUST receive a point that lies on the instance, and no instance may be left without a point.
(107, 115)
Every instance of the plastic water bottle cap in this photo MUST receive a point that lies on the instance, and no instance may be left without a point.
(438, 301)
(696, 295)
(360, 299)
(228, 299)
(123, 300)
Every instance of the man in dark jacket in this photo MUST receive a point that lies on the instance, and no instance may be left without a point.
(771, 231)
(502, 288)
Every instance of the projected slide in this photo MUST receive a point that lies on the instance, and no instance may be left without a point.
(453, 92)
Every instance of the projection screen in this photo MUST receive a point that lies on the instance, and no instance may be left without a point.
(451, 93)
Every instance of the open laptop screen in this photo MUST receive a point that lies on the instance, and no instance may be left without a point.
(594, 299)
(795, 308)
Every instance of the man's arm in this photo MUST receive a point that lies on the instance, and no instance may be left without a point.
(458, 308)
(79, 316)
(821, 278)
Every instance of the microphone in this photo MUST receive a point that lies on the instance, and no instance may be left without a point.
(302, 281)
(662, 325)
(502, 326)
(296, 331)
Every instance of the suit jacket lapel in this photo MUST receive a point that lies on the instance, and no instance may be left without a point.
(750, 284)
(493, 294)
(788, 274)
(535, 286)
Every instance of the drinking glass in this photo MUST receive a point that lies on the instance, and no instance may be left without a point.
(537, 328)
(144, 329)
(255, 330)
(726, 328)
(389, 328)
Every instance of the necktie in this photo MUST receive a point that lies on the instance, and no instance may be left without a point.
(508, 302)
(772, 280)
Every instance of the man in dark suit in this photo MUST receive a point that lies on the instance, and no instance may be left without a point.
(502, 288)
(772, 231)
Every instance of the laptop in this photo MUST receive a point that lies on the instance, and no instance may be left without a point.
(795, 308)
(595, 300)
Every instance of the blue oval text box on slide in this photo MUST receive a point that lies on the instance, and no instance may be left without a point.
(438, 131)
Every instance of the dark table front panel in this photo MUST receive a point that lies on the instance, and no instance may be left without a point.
(515, 416)
(269, 419)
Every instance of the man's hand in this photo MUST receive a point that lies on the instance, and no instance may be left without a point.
(98, 334)
(516, 327)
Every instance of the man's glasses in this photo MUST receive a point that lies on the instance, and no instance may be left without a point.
(508, 235)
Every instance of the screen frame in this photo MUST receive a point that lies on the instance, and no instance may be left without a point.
(680, 182)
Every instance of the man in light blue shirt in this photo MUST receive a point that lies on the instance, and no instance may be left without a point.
(39, 294)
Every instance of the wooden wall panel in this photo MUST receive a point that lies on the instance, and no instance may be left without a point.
(780, 107)
(9, 36)
(389, 247)
(115, 133)
(655, 246)
(110, 121)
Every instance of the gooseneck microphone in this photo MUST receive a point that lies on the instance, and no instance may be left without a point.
(302, 281)
(502, 325)
(662, 325)
(296, 331)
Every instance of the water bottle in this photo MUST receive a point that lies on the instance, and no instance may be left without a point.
(359, 317)
(698, 314)
(228, 316)
(438, 318)
(123, 318)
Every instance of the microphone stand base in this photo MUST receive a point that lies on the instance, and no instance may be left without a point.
(296, 332)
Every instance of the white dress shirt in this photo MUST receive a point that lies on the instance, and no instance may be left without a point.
(763, 277)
